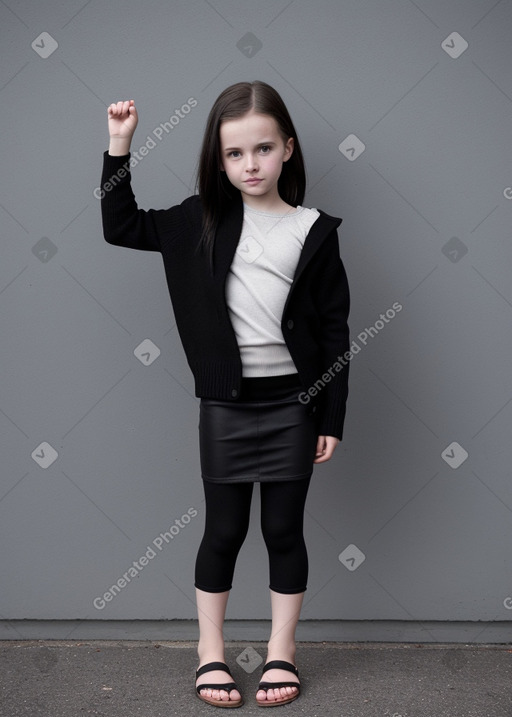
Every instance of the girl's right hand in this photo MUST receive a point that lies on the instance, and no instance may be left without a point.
(122, 119)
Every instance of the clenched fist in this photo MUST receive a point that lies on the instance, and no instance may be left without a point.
(122, 119)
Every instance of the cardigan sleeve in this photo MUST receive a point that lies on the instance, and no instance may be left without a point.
(333, 306)
(124, 224)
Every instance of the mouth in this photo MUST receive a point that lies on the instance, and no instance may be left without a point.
(253, 180)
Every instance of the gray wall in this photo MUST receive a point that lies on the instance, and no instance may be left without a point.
(411, 520)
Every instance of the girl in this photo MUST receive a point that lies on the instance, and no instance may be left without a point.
(261, 301)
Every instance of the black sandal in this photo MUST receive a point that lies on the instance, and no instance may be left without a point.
(280, 665)
(228, 686)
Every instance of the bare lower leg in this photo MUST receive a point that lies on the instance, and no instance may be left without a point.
(281, 645)
(285, 616)
(211, 610)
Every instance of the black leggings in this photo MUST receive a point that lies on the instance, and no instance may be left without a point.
(227, 521)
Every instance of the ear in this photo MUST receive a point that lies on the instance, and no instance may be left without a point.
(288, 149)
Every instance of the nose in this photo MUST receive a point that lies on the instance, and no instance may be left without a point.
(251, 163)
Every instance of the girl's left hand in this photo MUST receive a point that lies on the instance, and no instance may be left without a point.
(325, 448)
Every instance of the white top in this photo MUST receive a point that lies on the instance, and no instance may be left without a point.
(258, 283)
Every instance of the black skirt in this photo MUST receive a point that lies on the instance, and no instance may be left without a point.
(266, 435)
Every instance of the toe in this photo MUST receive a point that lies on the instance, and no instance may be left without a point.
(235, 695)
(264, 695)
(232, 695)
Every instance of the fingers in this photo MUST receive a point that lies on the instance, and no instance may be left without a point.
(320, 446)
(124, 107)
(325, 448)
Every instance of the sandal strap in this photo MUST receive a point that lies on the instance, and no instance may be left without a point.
(213, 666)
(228, 686)
(271, 685)
(281, 665)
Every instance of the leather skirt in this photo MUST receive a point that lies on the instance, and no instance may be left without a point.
(265, 435)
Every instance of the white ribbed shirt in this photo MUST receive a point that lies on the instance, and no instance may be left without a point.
(258, 283)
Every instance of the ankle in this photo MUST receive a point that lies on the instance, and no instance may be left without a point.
(281, 651)
(211, 652)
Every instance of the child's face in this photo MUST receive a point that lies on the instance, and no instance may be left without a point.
(252, 147)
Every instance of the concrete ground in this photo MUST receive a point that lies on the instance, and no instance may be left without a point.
(114, 678)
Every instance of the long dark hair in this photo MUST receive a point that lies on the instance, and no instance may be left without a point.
(215, 190)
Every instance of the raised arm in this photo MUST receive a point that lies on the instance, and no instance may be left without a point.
(124, 224)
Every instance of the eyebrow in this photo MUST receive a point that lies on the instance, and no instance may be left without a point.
(270, 141)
